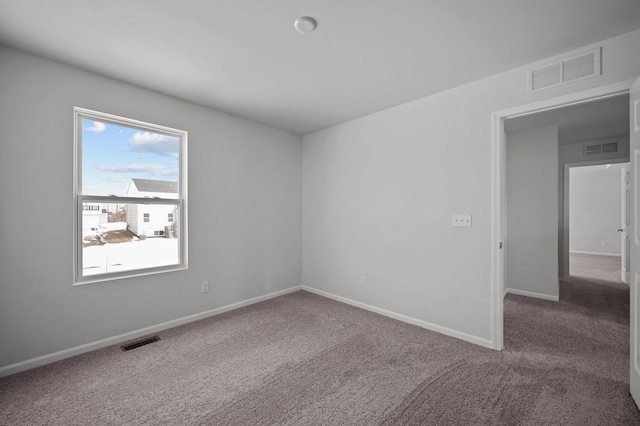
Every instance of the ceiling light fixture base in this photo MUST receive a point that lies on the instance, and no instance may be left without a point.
(305, 24)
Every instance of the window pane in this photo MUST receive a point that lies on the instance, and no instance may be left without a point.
(118, 238)
(124, 168)
(124, 161)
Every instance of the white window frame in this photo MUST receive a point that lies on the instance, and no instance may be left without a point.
(79, 198)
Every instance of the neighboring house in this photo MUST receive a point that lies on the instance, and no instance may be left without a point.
(92, 218)
(151, 220)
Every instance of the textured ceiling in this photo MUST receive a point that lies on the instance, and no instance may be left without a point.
(245, 57)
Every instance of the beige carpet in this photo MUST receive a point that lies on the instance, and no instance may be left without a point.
(302, 359)
(595, 268)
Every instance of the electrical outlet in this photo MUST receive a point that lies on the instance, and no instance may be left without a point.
(363, 281)
(204, 286)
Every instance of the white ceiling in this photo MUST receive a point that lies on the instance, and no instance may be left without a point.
(598, 120)
(245, 57)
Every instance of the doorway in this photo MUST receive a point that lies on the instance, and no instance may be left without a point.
(499, 210)
(597, 210)
(590, 133)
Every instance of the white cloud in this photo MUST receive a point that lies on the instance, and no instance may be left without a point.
(115, 179)
(154, 169)
(154, 143)
(97, 127)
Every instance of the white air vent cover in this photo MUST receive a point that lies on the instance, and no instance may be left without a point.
(571, 69)
(593, 149)
(609, 147)
(600, 148)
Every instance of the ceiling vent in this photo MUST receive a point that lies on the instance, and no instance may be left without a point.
(568, 70)
(600, 148)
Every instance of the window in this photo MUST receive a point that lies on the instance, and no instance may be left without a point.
(128, 175)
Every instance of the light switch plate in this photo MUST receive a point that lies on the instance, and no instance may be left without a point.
(461, 221)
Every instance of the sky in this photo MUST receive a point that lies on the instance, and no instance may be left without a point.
(112, 155)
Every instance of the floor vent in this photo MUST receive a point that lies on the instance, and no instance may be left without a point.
(568, 70)
(139, 343)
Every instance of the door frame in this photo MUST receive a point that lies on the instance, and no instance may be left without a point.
(566, 210)
(498, 186)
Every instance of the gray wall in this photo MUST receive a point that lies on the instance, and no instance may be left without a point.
(532, 212)
(379, 193)
(244, 211)
(595, 214)
(377, 198)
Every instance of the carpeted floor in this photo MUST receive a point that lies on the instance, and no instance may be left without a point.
(302, 359)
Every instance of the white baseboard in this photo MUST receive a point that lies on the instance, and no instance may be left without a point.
(420, 323)
(533, 294)
(66, 353)
(594, 253)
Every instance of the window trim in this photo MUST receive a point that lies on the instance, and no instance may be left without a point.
(79, 198)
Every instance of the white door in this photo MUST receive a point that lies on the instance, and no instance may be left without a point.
(634, 231)
(624, 223)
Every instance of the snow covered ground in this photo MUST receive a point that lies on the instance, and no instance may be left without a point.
(148, 253)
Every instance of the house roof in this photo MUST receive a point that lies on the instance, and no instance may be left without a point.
(150, 185)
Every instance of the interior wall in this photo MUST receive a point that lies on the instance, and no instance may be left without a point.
(380, 192)
(378, 195)
(244, 211)
(595, 213)
(532, 212)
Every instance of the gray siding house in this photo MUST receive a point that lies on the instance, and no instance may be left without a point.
(151, 220)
